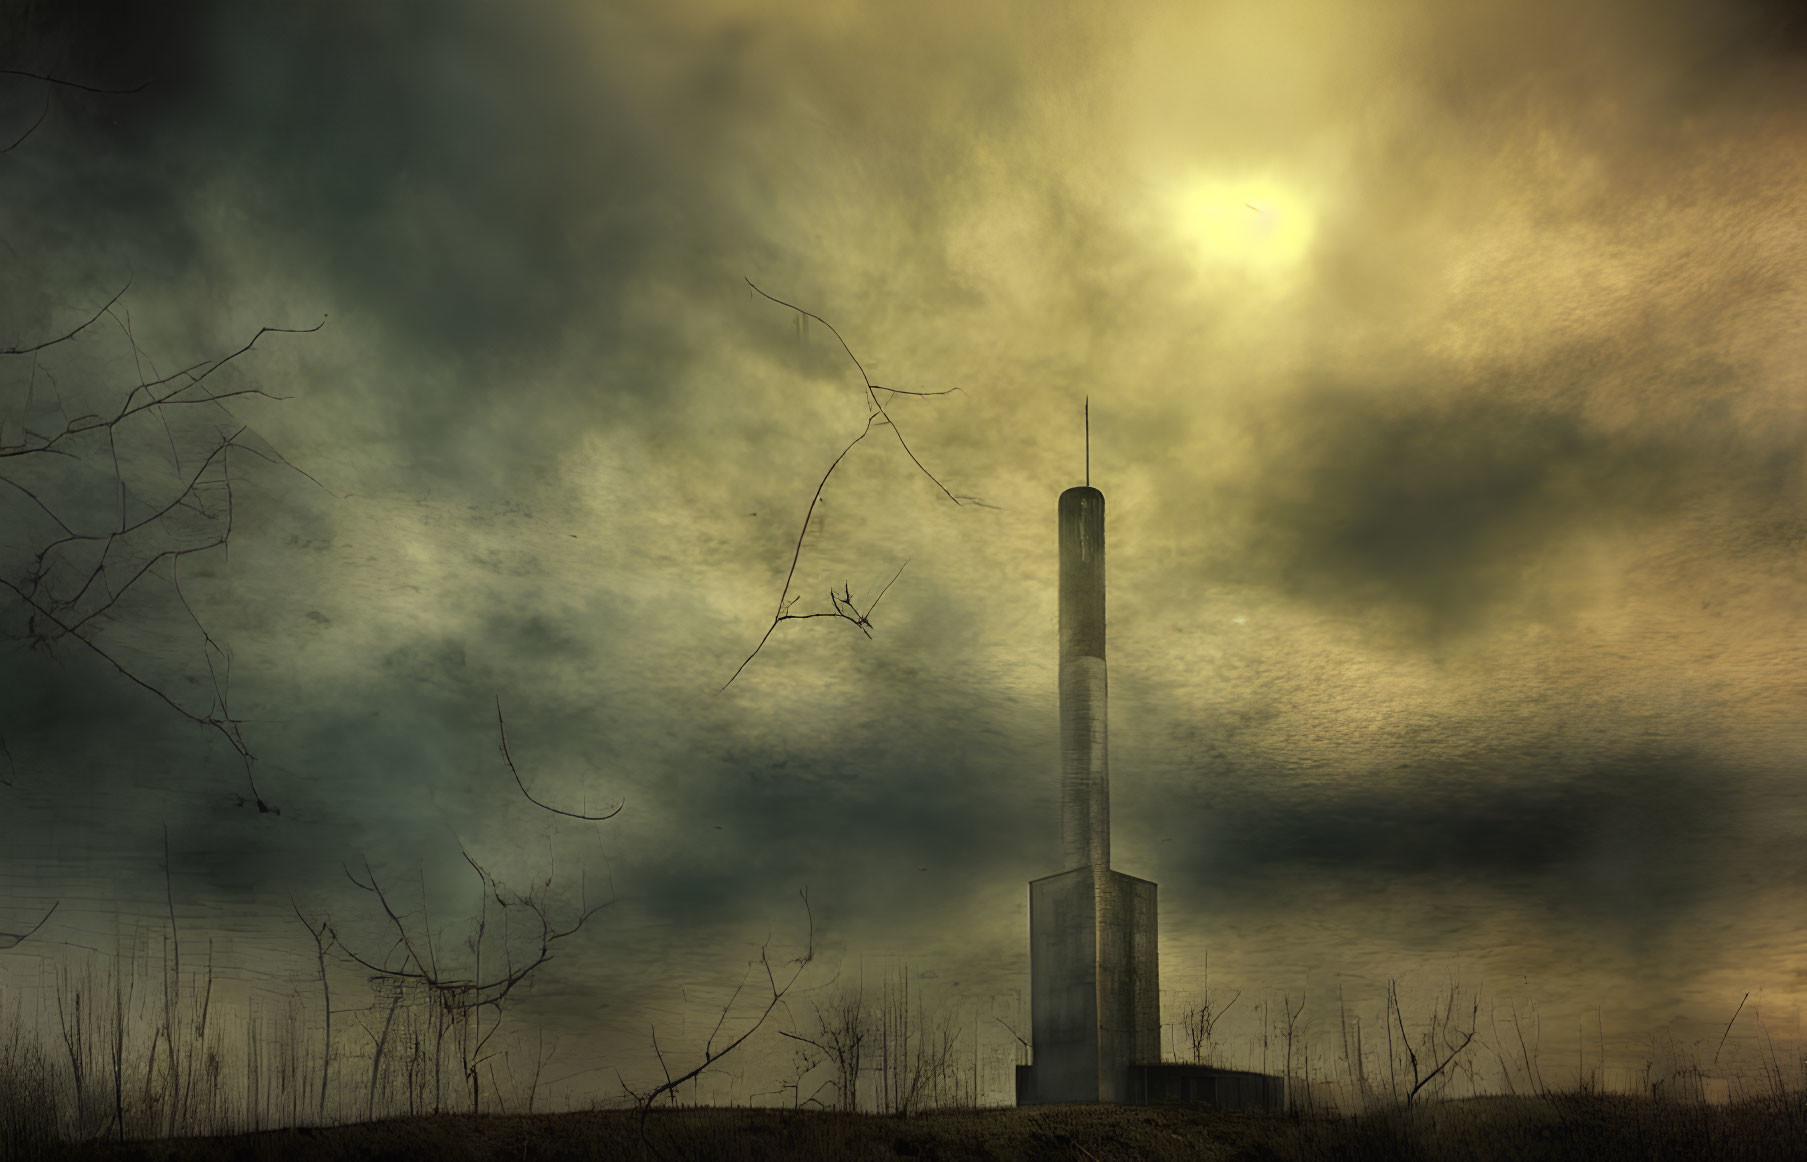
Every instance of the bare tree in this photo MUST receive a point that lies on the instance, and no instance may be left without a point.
(71, 564)
(1290, 1030)
(842, 1028)
(413, 964)
(804, 1061)
(115, 488)
(397, 991)
(100, 519)
(1443, 1040)
(917, 1053)
(842, 604)
(933, 1076)
(1199, 1017)
(1353, 1063)
(322, 937)
(776, 993)
(414, 959)
(82, 564)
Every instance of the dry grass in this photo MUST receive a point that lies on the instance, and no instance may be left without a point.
(1558, 1128)
(128, 1050)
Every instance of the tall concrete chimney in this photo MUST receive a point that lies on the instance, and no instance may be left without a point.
(1085, 770)
(1094, 980)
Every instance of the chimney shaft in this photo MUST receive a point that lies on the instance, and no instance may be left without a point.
(1085, 813)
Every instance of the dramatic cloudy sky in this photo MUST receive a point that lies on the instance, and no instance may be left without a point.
(1449, 393)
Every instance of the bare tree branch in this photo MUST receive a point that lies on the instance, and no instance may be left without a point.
(51, 83)
(1450, 1052)
(43, 112)
(1728, 1027)
(19, 938)
(50, 80)
(323, 939)
(74, 581)
(411, 961)
(711, 1055)
(1441, 1065)
(92, 319)
(502, 733)
(841, 604)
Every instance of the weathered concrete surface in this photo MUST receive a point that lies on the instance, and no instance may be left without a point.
(1094, 981)
(1094, 984)
(1129, 982)
(1063, 986)
(1085, 775)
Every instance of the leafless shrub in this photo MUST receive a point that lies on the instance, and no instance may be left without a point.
(1291, 1031)
(459, 991)
(415, 961)
(1442, 1039)
(1198, 1018)
(31, 1103)
(842, 1029)
(918, 1058)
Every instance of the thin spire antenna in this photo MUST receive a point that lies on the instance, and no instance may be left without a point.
(1088, 441)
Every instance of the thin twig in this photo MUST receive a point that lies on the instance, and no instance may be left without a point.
(841, 604)
(872, 389)
(63, 606)
(19, 938)
(50, 80)
(1728, 1027)
(502, 733)
(711, 1055)
(33, 128)
(92, 319)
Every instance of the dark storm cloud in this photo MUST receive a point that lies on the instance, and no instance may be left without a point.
(869, 818)
(1665, 819)
(471, 211)
(470, 182)
(1446, 497)
(1635, 847)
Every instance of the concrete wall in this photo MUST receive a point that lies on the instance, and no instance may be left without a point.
(1129, 983)
(1094, 984)
(1063, 987)
(1160, 1085)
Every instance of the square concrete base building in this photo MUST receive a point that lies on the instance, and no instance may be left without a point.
(1094, 986)
(1094, 978)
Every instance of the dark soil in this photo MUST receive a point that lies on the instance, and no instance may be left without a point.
(1582, 1129)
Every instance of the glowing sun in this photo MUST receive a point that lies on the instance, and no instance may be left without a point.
(1253, 226)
